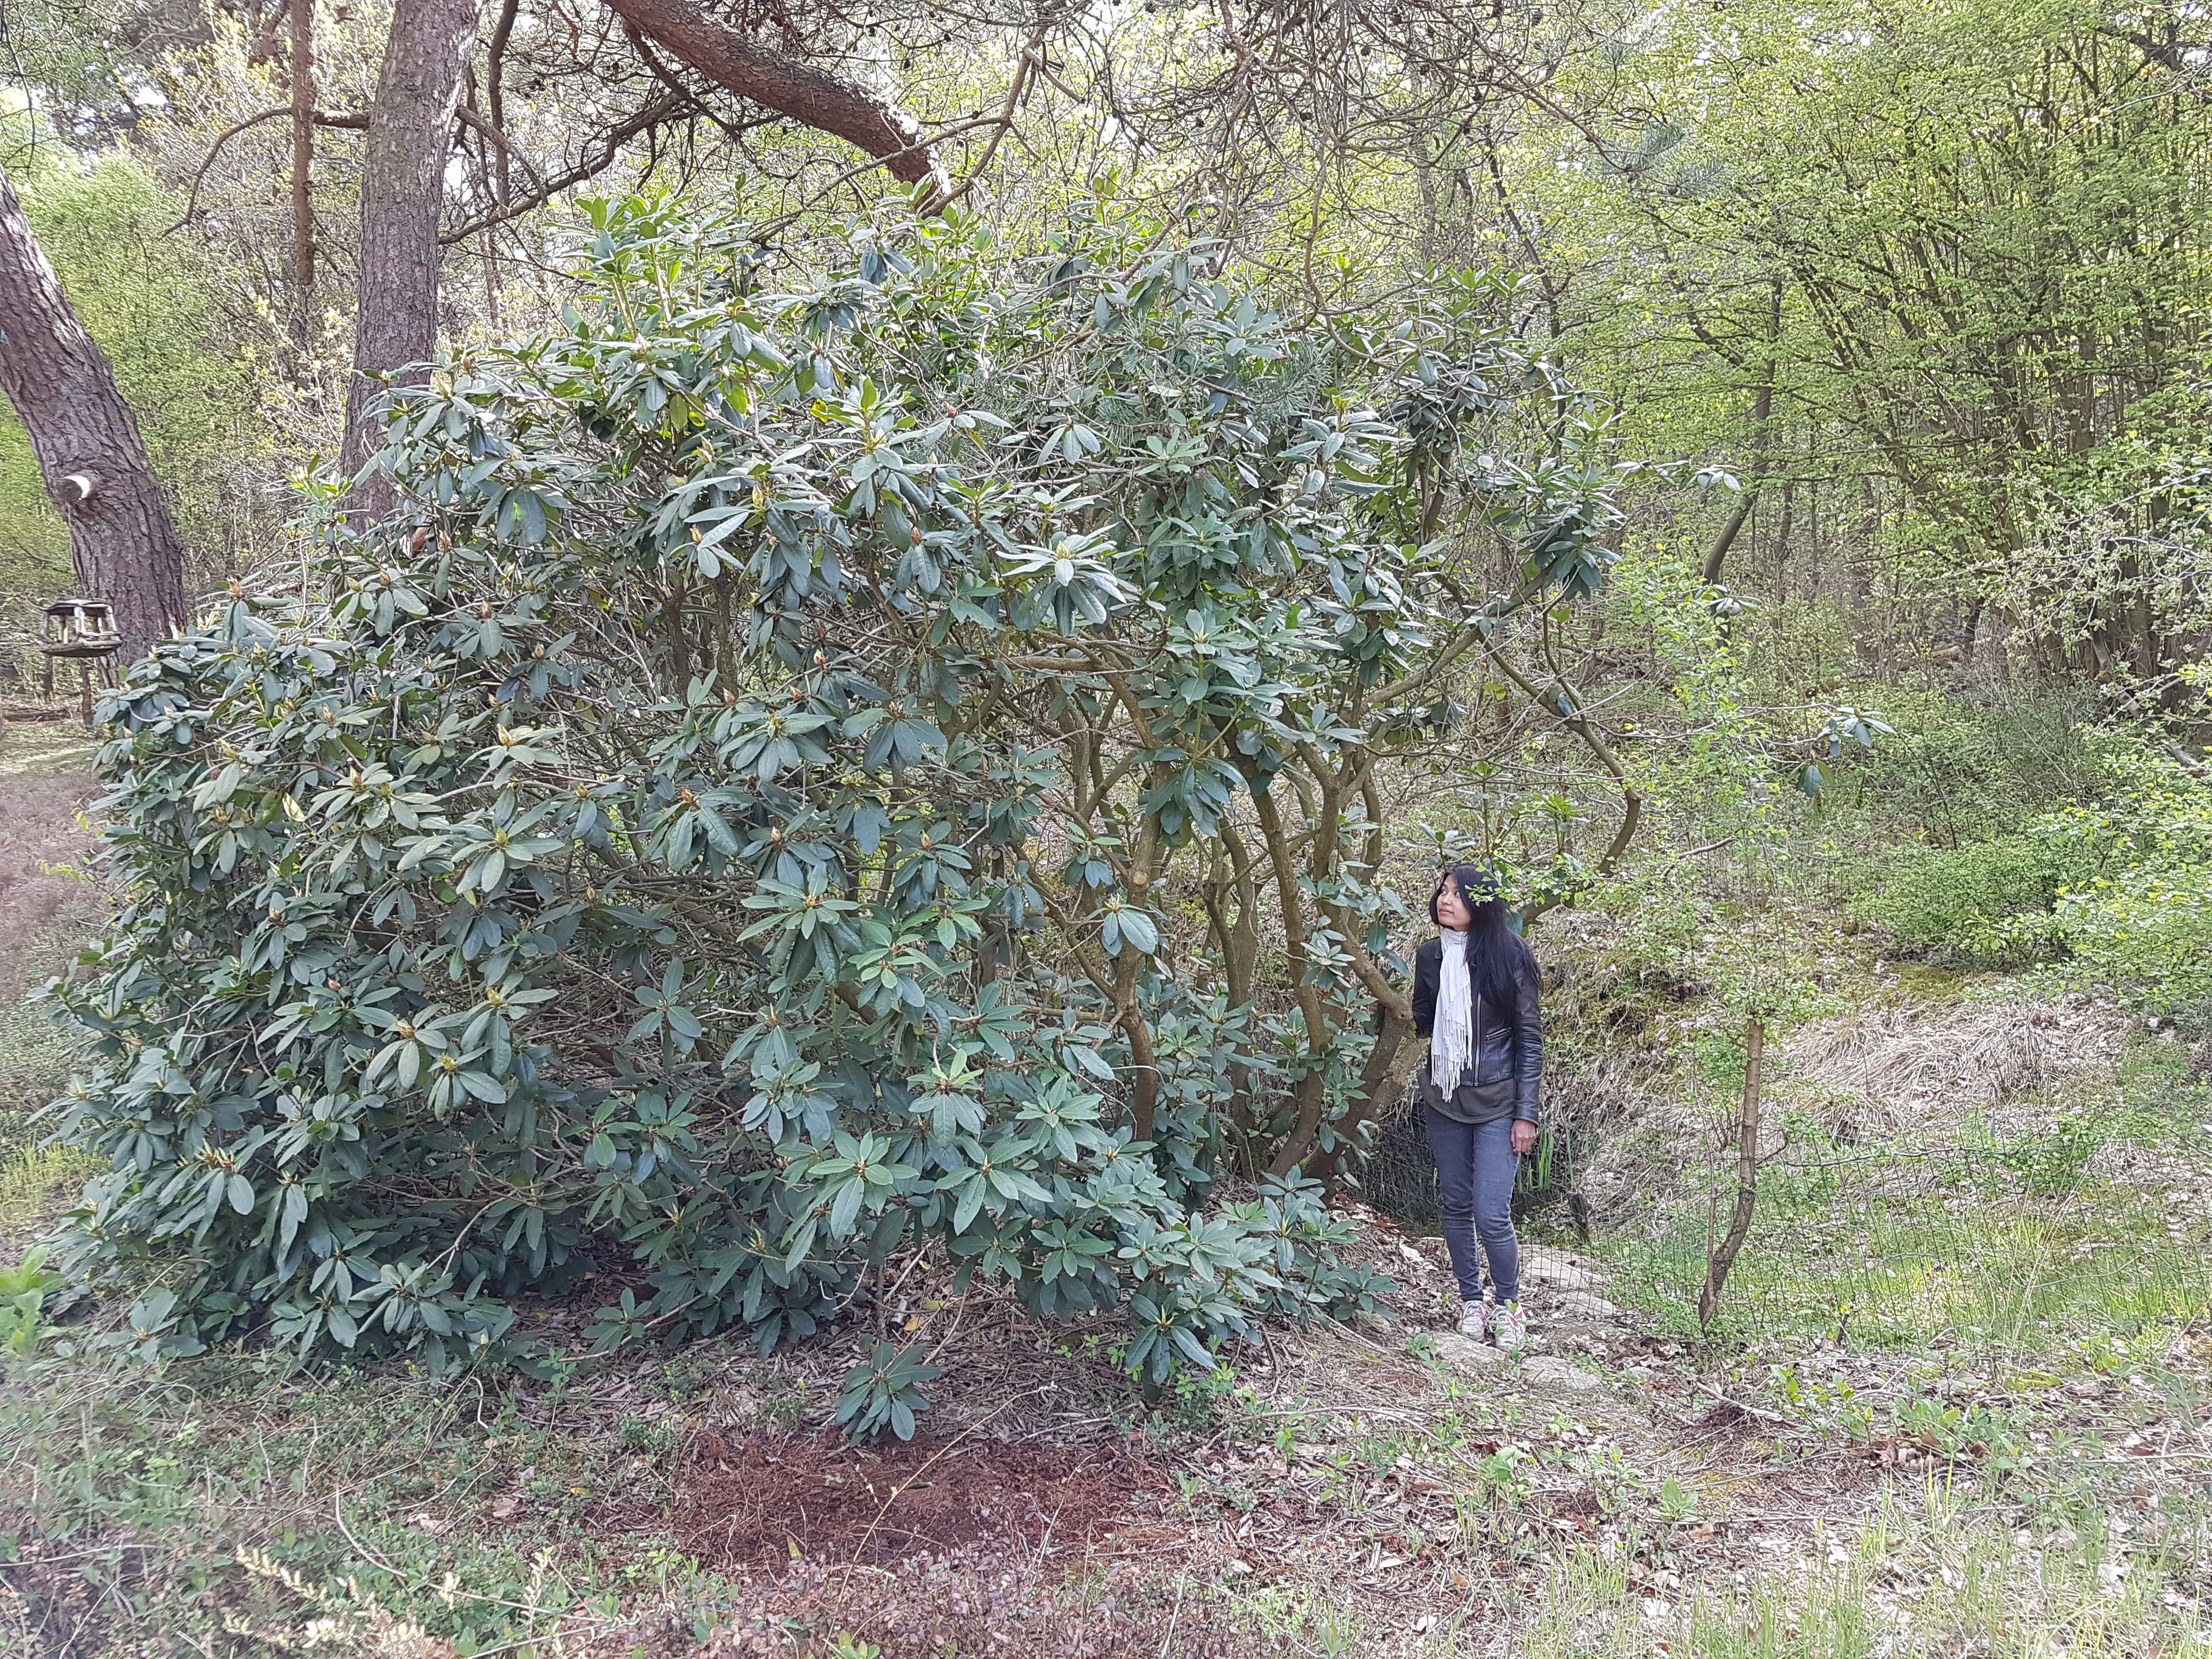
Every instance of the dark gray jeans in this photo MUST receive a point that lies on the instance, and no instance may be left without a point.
(1475, 1167)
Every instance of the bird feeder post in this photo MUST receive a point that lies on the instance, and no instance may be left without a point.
(82, 631)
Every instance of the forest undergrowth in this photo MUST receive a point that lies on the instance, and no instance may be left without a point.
(1956, 1402)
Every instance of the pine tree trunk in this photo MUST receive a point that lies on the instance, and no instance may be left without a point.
(402, 193)
(94, 463)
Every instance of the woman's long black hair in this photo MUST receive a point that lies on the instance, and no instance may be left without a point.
(1495, 955)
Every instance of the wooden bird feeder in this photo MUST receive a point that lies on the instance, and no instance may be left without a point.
(81, 631)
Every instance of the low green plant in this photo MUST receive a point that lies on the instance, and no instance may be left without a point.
(655, 1439)
(1994, 1436)
(1505, 1479)
(1333, 1630)
(883, 1391)
(2055, 1162)
(163, 1479)
(23, 1292)
(1987, 904)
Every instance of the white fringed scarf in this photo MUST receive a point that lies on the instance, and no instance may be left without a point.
(1451, 1046)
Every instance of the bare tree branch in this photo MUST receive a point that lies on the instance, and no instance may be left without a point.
(608, 148)
(356, 122)
(805, 93)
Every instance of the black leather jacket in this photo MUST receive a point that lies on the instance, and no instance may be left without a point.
(1509, 1044)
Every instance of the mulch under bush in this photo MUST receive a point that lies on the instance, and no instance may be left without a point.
(770, 1498)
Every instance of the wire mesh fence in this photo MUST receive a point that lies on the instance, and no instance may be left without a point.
(1399, 1175)
(2003, 1237)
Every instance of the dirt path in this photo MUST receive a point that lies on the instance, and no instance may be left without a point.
(47, 893)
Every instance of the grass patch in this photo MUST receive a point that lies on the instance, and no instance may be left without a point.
(34, 1067)
(155, 1488)
(1907, 1273)
(1994, 1241)
(1931, 1578)
(1907, 1252)
(36, 1180)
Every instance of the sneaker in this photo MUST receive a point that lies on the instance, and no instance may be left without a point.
(1475, 1321)
(1512, 1328)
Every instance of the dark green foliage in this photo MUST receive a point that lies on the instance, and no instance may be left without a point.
(716, 832)
(883, 1391)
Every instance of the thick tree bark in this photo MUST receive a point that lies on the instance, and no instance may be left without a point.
(89, 451)
(402, 192)
(820, 99)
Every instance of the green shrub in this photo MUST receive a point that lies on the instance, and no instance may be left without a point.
(1985, 905)
(2116, 892)
(723, 829)
(2139, 921)
(1958, 772)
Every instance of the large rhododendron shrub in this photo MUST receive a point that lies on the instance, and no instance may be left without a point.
(803, 779)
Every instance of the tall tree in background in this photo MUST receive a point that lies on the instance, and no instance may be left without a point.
(303, 165)
(122, 540)
(402, 191)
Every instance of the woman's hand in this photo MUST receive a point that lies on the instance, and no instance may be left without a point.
(1524, 1137)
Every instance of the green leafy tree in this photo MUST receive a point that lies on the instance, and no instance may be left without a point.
(1897, 258)
(806, 776)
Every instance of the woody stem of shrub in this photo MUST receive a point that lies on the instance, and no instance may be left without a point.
(1746, 1177)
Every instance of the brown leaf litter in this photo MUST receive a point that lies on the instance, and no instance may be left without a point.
(769, 1499)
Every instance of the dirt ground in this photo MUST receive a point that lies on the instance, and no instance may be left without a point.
(45, 840)
(767, 1499)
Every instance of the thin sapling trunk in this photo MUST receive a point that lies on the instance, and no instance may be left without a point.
(1746, 1177)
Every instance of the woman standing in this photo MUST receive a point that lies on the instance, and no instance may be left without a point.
(1475, 996)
